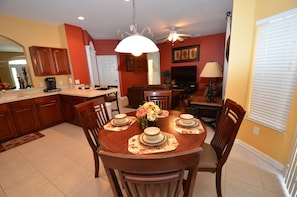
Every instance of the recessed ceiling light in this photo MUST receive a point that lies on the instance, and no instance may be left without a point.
(81, 18)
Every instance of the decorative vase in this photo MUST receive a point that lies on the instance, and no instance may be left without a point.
(144, 123)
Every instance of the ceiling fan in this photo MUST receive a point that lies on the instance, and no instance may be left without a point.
(174, 36)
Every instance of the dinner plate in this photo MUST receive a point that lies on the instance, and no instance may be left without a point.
(179, 122)
(126, 122)
(163, 139)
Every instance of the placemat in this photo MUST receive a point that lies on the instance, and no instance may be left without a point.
(110, 127)
(164, 114)
(195, 130)
(135, 147)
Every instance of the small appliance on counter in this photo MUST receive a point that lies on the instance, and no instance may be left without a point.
(51, 85)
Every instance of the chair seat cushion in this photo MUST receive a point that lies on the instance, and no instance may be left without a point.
(208, 157)
(110, 98)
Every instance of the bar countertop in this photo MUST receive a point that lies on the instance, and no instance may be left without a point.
(18, 95)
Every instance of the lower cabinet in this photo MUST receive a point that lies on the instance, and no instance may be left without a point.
(69, 111)
(7, 128)
(49, 110)
(30, 115)
(25, 116)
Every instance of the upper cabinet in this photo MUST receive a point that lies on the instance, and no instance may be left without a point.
(49, 61)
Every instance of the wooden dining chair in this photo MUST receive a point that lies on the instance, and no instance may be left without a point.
(152, 175)
(113, 97)
(162, 98)
(93, 115)
(216, 153)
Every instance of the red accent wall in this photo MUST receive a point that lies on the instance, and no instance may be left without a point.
(211, 49)
(77, 53)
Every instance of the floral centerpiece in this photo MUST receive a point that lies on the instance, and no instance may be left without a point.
(147, 114)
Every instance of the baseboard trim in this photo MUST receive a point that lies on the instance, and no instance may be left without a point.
(261, 155)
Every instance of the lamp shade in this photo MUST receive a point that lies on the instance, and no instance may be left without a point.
(136, 44)
(211, 70)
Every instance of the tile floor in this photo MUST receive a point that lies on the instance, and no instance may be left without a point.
(61, 164)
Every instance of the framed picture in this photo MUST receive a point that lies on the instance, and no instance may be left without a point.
(130, 67)
(186, 54)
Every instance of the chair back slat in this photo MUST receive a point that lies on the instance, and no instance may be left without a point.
(162, 98)
(228, 125)
(152, 175)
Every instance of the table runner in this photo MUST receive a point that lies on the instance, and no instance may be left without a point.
(110, 127)
(135, 147)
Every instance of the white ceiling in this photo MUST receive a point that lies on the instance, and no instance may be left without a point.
(103, 18)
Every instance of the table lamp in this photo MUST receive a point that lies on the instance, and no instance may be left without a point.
(211, 70)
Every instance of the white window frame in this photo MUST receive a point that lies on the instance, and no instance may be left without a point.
(275, 70)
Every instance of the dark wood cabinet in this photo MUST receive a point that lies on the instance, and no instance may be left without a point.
(49, 110)
(7, 128)
(49, 61)
(61, 62)
(25, 116)
(69, 111)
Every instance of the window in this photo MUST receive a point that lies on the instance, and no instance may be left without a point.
(275, 70)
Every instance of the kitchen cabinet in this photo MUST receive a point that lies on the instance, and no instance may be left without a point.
(7, 128)
(49, 61)
(69, 111)
(25, 116)
(49, 110)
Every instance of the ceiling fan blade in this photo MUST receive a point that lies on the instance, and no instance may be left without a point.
(185, 35)
(180, 39)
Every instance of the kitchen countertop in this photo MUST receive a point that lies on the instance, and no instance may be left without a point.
(18, 95)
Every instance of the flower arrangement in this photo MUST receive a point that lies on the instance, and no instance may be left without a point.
(147, 112)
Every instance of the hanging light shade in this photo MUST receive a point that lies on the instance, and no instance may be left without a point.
(136, 43)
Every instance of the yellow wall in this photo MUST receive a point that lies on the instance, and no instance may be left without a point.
(29, 33)
(243, 33)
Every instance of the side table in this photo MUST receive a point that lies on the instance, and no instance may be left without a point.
(208, 112)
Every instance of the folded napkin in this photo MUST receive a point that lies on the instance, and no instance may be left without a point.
(164, 114)
(110, 127)
(136, 147)
(191, 130)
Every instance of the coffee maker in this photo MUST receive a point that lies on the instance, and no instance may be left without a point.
(51, 84)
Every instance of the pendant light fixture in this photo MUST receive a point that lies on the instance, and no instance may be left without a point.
(136, 43)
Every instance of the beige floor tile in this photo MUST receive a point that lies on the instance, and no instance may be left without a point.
(244, 173)
(55, 166)
(48, 190)
(273, 183)
(92, 188)
(14, 168)
(27, 185)
(205, 185)
(2, 193)
(71, 178)
(235, 188)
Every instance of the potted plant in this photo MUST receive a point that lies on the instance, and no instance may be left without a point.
(166, 76)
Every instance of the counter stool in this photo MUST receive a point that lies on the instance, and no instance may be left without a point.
(113, 97)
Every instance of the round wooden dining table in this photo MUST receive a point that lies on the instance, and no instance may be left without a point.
(117, 141)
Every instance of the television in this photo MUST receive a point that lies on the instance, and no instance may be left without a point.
(184, 74)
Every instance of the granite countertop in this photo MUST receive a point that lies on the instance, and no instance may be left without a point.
(18, 95)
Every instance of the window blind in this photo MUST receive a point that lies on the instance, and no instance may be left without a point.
(275, 70)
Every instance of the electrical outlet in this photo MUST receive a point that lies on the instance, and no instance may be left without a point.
(256, 130)
(61, 82)
(41, 84)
